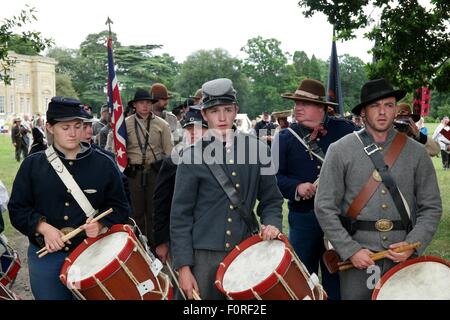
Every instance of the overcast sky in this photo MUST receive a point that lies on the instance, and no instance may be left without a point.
(183, 27)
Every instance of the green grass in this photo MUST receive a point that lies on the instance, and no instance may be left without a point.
(440, 245)
(8, 169)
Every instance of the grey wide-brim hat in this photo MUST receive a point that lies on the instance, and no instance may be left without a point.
(375, 90)
(218, 92)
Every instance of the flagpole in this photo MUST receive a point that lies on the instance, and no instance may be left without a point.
(116, 107)
(334, 91)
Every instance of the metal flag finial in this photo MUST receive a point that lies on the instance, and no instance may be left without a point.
(109, 22)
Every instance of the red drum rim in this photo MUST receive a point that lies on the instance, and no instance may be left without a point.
(110, 268)
(13, 269)
(402, 265)
(265, 285)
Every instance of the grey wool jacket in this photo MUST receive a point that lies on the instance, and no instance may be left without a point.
(345, 171)
(202, 216)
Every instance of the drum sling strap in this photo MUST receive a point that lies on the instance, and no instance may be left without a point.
(383, 169)
(233, 195)
(311, 145)
(69, 181)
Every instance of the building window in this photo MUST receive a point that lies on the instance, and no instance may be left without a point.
(20, 80)
(2, 104)
(27, 81)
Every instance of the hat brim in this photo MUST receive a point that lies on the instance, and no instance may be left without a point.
(189, 123)
(291, 96)
(130, 103)
(397, 94)
(69, 119)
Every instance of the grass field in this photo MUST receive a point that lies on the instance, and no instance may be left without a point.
(439, 247)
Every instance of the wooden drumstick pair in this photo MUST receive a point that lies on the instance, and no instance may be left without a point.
(43, 251)
(342, 266)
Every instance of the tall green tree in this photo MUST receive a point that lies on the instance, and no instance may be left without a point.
(301, 64)
(353, 76)
(25, 42)
(412, 42)
(204, 65)
(64, 86)
(136, 66)
(266, 66)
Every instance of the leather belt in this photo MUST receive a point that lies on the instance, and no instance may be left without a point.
(382, 225)
(138, 166)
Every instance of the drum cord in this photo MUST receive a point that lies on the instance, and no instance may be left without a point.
(146, 258)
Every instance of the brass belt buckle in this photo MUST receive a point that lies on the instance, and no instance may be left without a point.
(384, 225)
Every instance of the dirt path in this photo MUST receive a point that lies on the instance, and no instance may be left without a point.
(21, 286)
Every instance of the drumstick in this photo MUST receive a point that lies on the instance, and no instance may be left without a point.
(380, 255)
(175, 279)
(195, 295)
(42, 252)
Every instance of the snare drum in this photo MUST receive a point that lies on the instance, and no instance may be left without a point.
(9, 264)
(114, 266)
(266, 270)
(6, 294)
(423, 278)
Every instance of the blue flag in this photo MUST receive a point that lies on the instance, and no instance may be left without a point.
(334, 90)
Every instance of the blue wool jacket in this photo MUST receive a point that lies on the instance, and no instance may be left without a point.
(38, 193)
(295, 163)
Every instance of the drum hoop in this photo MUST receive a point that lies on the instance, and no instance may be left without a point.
(13, 268)
(110, 269)
(403, 265)
(266, 284)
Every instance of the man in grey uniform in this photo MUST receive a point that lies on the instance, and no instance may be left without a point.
(379, 223)
(204, 224)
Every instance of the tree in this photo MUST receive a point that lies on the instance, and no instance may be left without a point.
(136, 66)
(266, 66)
(301, 64)
(64, 86)
(412, 43)
(353, 76)
(204, 65)
(27, 41)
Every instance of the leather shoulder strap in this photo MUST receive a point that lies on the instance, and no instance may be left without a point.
(69, 181)
(234, 197)
(371, 185)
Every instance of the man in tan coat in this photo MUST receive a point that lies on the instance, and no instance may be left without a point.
(149, 140)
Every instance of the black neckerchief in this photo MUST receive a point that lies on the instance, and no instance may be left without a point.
(305, 133)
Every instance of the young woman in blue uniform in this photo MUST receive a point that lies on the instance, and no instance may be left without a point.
(43, 208)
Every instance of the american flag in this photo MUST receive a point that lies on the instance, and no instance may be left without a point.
(116, 111)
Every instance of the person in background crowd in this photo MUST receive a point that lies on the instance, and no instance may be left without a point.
(160, 100)
(149, 141)
(265, 129)
(442, 136)
(19, 138)
(405, 122)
